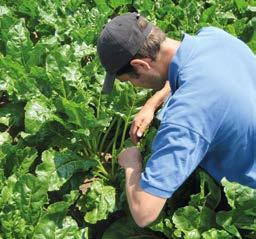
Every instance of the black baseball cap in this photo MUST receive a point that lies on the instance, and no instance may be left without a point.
(119, 41)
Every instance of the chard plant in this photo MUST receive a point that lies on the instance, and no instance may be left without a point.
(60, 137)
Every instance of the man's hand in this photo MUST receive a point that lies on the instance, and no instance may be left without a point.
(141, 122)
(143, 119)
(144, 206)
(130, 158)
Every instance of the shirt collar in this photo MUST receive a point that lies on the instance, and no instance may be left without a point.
(178, 60)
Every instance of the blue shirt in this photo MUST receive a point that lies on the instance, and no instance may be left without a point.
(210, 119)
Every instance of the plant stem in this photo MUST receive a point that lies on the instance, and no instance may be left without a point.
(126, 124)
(124, 132)
(113, 162)
(98, 107)
(106, 134)
(102, 169)
(85, 152)
(109, 145)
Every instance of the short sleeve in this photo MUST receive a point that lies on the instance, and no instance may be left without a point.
(177, 151)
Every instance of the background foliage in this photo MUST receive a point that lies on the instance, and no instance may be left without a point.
(59, 137)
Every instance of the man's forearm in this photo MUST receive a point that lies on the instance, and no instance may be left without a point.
(159, 97)
(144, 207)
(132, 178)
(142, 212)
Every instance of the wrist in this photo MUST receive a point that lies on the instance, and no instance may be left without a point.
(152, 104)
(160, 96)
(134, 168)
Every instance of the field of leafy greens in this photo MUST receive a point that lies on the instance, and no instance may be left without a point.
(59, 137)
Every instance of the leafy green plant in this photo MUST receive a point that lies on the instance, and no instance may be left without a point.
(58, 132)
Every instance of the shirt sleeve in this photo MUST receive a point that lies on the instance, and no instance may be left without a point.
(177, 151)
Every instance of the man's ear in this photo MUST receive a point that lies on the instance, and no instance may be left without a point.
(141, 64)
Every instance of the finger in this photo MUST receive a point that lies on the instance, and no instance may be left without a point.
(135, 125)
(133, 132)
(133, 137)
(142, 129)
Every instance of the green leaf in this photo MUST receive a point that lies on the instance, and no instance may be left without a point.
(57, 211)
(194, 234)
(236, 219)
(225, 220)
(72, 74)
(216, 234)
(38, 112)
(19, 42)
(13, 225)
(81, 115)
(4, 137)
(32, 195)
(25, 158)
(15, 80)
(208, 14)
(117, 3)
(16, 158)
(4, 10)
(192, 222)
(163, 224)
(78, 114)
(55, 65)
(12, 114)
(101, 5)
(36, 56)
(126, 228)
(242, 200)
(38, 74)
(239, 196)
(207, 219)
(186, 218)
(7, 190)
(252, 42)
(58, 167)
(244, 221)
(98, 202)
(5, 121)
(2, 180)
(28, 7)
(241, 5)
(48, 229)
(54, 222)
(251, 8)
(210, 193)
(82, 50)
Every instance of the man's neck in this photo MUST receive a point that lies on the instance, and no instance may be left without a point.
(167, 51)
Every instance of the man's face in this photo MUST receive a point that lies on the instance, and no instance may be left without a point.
(146, 79)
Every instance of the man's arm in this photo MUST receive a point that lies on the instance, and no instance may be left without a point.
(145, 116)
(144, 207)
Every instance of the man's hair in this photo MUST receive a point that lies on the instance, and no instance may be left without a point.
(150, 48)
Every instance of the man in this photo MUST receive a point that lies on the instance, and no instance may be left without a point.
(209, 121)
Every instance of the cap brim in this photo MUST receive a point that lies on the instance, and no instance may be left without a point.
(108, 83)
